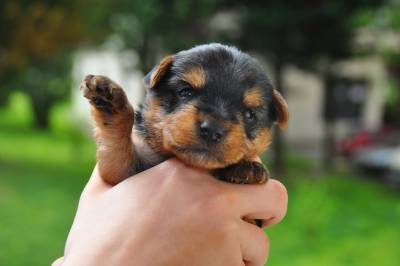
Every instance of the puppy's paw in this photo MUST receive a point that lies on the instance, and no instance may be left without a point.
(243, 172)
(104, 94)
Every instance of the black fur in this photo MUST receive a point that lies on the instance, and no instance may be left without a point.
(229, 73)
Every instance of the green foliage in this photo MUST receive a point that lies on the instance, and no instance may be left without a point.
(34, 31)
(18, 115)
(45, 82)
(37, 38)
(386, 21)
(154, 27)
(301, 32)
(387, 16)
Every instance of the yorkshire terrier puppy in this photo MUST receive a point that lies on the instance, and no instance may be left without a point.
(211, 106)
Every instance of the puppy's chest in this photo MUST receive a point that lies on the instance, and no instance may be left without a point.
(147, 156)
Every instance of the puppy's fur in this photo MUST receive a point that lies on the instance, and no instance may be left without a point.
(211, 106)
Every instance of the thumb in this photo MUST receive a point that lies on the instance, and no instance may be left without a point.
(58, 262)
(95, 186)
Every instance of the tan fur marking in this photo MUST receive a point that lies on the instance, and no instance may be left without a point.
(162, 68)
(253, 97)
(115, 154)
(234, 144)
(196, 77)
(282, 110)
(186, 137)
(180, 128)
(259, 144)
(155, 121)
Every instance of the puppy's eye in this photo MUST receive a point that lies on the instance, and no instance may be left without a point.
(250, 115)
(186, 92)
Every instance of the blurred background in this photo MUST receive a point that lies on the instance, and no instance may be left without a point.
(336, 62)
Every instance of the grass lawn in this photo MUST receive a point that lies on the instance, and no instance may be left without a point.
(38, 197)
(333, 219)
(338, 220)
(41, 176)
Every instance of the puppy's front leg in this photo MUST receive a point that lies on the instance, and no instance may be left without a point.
(243, 172)
(113, 116)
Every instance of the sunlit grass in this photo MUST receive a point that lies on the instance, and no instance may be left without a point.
(41, 176)
(338, 220)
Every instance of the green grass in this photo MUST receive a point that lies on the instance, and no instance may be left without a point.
(338, 220)
(41, 176)
(333, 219)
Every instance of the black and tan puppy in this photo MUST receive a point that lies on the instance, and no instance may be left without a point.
(211, 106)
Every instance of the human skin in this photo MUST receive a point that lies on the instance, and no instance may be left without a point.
(173, 214)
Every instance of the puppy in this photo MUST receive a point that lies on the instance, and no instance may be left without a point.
(211, 106)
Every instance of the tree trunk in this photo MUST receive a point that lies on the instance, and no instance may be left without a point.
(328, 146)
(278, 142)
(3, 100)
(41, 111)
(4, 97)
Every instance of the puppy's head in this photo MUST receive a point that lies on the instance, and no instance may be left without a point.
(211, 106)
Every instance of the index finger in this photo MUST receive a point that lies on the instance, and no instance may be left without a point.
(260, 201)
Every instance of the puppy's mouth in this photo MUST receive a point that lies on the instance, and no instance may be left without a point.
(194, 150)
(198, 156)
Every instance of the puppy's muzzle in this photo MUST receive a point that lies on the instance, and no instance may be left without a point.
(211, 132)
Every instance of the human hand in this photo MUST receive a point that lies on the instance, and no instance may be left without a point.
(172, 214)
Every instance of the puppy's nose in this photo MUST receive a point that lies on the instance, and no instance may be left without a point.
(211, 131)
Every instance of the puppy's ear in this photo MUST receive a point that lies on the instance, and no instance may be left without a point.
(280, 110)
(155, 75)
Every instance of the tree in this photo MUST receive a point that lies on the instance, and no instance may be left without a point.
(154, 27)
(309, 34)
(37, 39)
(382, 23)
